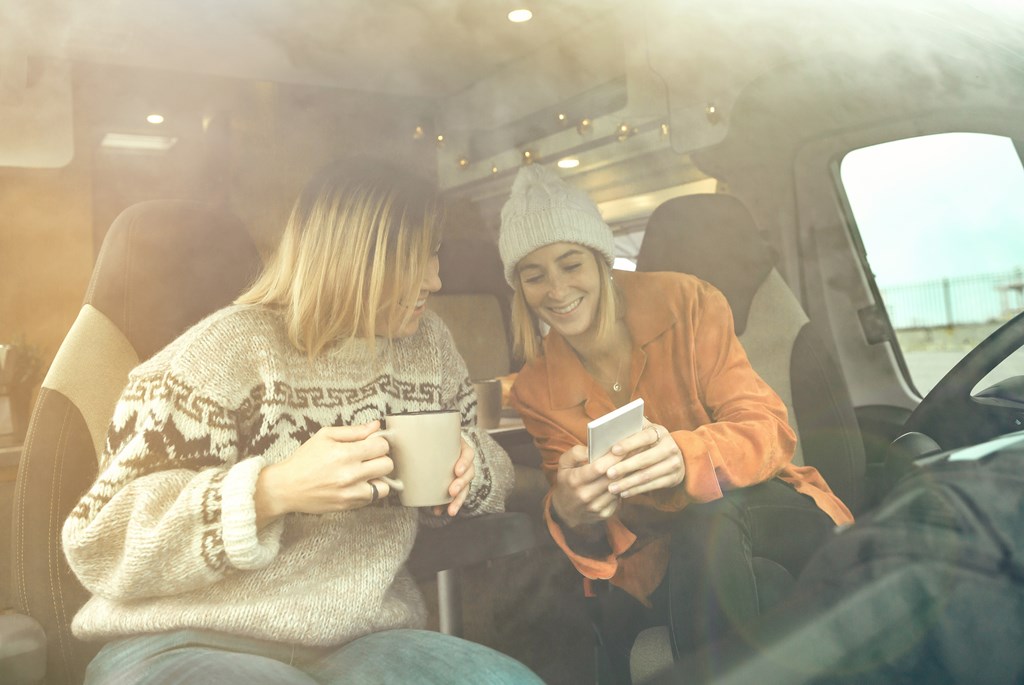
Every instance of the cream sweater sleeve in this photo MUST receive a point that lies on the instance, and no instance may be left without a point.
(172, 509)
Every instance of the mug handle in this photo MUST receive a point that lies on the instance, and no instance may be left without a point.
(393, 483)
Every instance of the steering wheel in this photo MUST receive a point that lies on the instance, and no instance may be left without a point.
(951, 416)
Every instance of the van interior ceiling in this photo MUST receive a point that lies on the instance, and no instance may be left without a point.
(653, 98)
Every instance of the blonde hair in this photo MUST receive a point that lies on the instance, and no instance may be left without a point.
(356, 246)
(526, 337)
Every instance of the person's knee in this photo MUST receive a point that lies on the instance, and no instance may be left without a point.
(433, 658)
(696, 526)
(200, 664)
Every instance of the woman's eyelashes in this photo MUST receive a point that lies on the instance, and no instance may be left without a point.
(540, 277)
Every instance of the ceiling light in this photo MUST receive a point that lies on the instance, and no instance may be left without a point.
(568, 163)
(155, 118)
(131, 141)
(519, 16)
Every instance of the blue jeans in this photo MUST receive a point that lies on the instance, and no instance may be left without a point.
(392, 656)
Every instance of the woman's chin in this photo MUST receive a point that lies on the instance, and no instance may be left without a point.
(409, 327)
(570, 328)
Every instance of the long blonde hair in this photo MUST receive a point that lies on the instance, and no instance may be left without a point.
(526, 337)
(356, 245)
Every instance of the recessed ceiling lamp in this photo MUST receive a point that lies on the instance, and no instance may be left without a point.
(155, 118)
(519, 16)
(131, 141)
(568, 163)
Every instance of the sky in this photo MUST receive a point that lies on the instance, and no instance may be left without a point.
(940, 206)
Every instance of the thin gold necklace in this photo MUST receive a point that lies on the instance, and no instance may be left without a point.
(616, 386)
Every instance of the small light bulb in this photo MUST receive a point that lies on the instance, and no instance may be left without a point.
(418, 133)
(527, 157)
(494, 169)
(519, 16)
(155, 118)
(440, 141)
(568, 163)
(463, 163)
(561, 116)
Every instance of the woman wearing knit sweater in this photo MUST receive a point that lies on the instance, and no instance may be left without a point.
(716, 435)
(239, 530)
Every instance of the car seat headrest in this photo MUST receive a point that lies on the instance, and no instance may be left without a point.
(165, 264)
(472, 266)
(715, 238)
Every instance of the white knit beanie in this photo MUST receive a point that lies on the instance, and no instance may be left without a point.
(543, 209)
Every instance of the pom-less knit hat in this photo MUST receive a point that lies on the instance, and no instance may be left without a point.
(544, 209)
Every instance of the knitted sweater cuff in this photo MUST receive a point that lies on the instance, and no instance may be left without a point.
(247, 548)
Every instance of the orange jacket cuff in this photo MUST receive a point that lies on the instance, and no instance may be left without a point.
(701, 482)
(620, 539)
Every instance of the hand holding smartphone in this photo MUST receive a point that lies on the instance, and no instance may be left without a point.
(603, 432)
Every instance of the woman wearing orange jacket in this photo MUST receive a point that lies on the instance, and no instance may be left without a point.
(716, 435)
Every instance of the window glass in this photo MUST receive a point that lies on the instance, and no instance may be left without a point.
(627, 247)
(941, 218)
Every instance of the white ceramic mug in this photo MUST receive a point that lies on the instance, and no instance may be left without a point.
(424, 447)
(488, 403)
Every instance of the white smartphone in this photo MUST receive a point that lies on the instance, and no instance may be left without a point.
(605, 431)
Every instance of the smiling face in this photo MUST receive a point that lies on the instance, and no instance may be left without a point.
(404, 319)
(562, 285)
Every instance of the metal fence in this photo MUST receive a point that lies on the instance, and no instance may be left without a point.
(956, 301)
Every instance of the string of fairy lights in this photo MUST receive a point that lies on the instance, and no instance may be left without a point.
(567, 156)
(584, 127)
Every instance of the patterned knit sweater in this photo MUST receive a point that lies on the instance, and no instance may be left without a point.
(166, 538)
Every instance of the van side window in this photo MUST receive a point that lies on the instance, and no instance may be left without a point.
(627, 247)
(941, 219)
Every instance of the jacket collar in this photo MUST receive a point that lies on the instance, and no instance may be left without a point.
(648, 316)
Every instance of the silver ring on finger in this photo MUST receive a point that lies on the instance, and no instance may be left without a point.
(657, 434)
(375, 495)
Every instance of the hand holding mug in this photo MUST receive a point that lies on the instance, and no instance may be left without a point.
(329, 472)
(459, 488)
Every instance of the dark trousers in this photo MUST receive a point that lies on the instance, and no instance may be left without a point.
(730, 561)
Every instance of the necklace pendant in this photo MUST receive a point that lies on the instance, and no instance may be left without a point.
(616, 387)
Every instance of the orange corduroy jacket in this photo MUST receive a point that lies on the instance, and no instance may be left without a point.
(693, 374)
